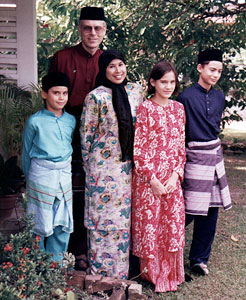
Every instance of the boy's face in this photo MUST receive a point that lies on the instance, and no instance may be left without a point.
(56, 99)
(209, 73)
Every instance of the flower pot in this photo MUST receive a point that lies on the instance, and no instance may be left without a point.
(7, 204)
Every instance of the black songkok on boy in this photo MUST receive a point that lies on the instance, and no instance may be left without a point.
(92, 13)
(120, 103)
(54, 79)
(209, 54)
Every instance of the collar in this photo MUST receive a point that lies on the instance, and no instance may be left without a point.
(50, 113)
(202, 89)
(83, 52)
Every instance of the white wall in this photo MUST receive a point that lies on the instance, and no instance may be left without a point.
(26, 42)
(18, 41)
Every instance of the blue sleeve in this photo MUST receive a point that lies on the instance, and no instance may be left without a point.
(27, 142)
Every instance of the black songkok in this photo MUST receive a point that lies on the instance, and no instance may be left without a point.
(92, 13)
(54, 79)
(210, 54)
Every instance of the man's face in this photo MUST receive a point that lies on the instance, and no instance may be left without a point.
(209, 73)
(92, 33)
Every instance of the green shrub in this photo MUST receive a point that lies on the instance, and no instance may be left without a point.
(26, 272)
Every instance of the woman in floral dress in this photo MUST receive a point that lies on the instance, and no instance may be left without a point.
(158, 216)
(107, 135)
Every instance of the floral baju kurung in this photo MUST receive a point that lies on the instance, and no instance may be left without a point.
(158, 222)
(108, 182)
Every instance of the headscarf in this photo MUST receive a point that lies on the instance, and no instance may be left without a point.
(120, 103)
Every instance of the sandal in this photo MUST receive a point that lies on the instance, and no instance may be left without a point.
(188, 278)
(200, 268)
(81, 263)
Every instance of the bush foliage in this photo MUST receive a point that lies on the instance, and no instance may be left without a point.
(147, 31)
(26, 271)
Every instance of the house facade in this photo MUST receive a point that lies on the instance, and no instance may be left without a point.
(18, 40)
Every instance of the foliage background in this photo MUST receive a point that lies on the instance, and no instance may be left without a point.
(147, 31)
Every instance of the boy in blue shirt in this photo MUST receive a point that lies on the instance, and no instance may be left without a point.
(46, 163)
(205, 185)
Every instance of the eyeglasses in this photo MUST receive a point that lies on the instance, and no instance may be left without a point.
(89, 29)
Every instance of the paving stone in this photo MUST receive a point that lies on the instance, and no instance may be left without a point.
(135, 289)
(135, 292)
(90, 279)
(129, 282)
(137, 297)
(118, 294)
(77, 279)
(118, 283)
(98, 284)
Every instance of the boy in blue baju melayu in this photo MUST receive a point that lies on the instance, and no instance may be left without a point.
(46, 163)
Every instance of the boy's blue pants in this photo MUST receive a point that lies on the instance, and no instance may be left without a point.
(203, 235)
(56, 244)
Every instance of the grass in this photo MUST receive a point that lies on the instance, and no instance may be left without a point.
(227, 264)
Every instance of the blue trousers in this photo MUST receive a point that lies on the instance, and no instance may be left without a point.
(203, 235)
(56, 244)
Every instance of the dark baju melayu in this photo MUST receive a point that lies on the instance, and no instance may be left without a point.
(80, 67)
(205, 186)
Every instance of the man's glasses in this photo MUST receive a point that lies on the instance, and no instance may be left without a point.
(89, 29)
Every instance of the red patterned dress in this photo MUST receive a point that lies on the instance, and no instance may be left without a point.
(158, 222)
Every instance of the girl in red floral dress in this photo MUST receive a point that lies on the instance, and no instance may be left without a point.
(158, 215)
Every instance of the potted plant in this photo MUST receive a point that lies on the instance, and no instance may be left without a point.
(11, 181)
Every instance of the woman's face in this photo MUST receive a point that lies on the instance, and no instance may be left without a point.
(116, 71)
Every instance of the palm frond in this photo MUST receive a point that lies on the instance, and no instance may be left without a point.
(16, 105)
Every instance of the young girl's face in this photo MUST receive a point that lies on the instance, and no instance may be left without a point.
(165, 86)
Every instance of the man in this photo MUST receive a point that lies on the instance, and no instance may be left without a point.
(205, 185)
(80, 64)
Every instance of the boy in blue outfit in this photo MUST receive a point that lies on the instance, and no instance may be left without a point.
(205, 185)
(46, 163)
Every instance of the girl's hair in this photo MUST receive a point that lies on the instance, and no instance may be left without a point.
(160, 69)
